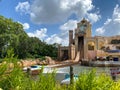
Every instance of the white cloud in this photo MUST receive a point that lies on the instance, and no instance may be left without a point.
(46, 11)
(111, 26)
(57, 38)
(93, 17)
(23, 7)
(100, 31)
(52, 11)
(54, 39)
(62, 38)
(108, 21)
(70, 25)
(41, 34)
(26, 26)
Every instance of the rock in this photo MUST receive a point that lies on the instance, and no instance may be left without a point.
(49, 60)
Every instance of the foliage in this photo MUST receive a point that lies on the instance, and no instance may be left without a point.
(12, 35)
(16, 79)
(89, 81)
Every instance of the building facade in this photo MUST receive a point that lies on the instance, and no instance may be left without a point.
(85, 47)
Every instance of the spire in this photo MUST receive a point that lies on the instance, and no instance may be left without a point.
(83, 20)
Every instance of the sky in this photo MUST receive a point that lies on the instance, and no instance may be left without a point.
(50, 20)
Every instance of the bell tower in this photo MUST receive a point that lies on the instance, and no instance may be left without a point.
(82, 32)
(84, 28)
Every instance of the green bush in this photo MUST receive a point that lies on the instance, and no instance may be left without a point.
(18, 80)
(91, 81)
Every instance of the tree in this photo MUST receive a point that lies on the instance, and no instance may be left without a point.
(9, 35)
(12, 35)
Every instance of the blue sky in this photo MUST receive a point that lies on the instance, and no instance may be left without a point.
(50, 20)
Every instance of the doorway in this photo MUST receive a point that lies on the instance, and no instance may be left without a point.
(65, 55)
(81, 47)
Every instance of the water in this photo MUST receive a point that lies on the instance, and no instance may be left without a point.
(77, 69)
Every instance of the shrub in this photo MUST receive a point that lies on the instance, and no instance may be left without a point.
(16, 79)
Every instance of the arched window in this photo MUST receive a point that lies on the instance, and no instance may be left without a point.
(101, 45)
(91, 45)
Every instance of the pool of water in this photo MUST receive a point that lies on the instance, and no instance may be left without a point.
(77, 69)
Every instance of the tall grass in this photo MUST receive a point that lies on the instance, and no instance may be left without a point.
(15, 79)
(89, 81)
(18, 80)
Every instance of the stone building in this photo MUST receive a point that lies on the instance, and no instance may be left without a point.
(82, 46)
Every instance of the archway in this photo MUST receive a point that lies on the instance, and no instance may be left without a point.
(81, 46)
(91, 50)
(101, 45)
(91, 45)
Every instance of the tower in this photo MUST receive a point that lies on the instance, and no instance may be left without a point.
(70, 37)
(77, 44)
(82, 32)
